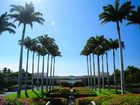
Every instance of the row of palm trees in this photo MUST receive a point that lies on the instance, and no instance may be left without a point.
(99, 46)
(117, 14)
(42, 45)
(25, 15)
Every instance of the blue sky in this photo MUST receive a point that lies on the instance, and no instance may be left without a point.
(71, 23)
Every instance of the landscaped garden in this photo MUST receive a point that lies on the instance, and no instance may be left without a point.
(103, 84)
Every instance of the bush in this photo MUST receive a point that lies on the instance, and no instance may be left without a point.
(85, 100)
(129, 99)
(22, 101)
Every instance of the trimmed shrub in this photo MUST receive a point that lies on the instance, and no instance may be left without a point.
(129, 99)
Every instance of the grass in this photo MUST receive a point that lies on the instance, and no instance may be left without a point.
(106, 92)
(30, 94)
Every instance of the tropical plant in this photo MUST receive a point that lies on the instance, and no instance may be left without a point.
(116, 14)
(91, 45)
(134, 17)
(27, 43)
(24, 15)
(38, 50)
(5, 25)
(114, 45)
(33, 49)
(86, 52)
(57, 53)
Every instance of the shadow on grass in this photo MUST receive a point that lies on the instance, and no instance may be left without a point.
(38, 96)
(26, 94)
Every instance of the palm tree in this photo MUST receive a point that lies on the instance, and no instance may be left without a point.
(43, 53)
(27, 43)
(134, 17)
(98, 52)
(5, 25)
(46, 42)
(38, 49)
(91, 45)
(56, 53)
(24, 15)
(33, 49)
(86, 52)
(114, 45)
(107, 48)
(102, 56)
(116, 14)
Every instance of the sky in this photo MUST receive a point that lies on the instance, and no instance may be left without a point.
(70, 23)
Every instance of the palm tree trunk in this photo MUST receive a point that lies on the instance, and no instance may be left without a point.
(121, 61)
(94, 72)
(26, 75)
(53, 73)
(42, 79)
(50, 83)
(88, 72)
(47, 73)
(91, 85)
(33, 71)
(98, 63)
(38, 72)
(20, 64)
(108, 81)
(115, 82)
(103, 83)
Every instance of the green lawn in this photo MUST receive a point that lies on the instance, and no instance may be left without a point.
(31, 94)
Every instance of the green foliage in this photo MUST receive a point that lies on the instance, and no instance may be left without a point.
(129, 99)
(30, 94)
(85, 100)
(23, 101)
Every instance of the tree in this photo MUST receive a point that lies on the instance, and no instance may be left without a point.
(24, 15)
(116, 14)
(27, 42)
(98, 52)
(54, 51)
(33, 49)
(134, 17)
(43, 53)
(86, 52)
(5, 25)
(114, 45)
(55, 54)
(38, 49)
(47, 42)
(107, 48)
(91, 45)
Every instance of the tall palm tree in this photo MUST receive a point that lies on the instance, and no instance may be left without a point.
(102, 56)
(27, 43)
(134, 17)
(5, 25)
(33, 49)
(116, 14)
(24, 15)
(55, 54)
(91, 45)
(107, 48)
(46, 42)
(38, 50)
(43, 53)
(86, 52)
(114, 45)
(98, 52)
